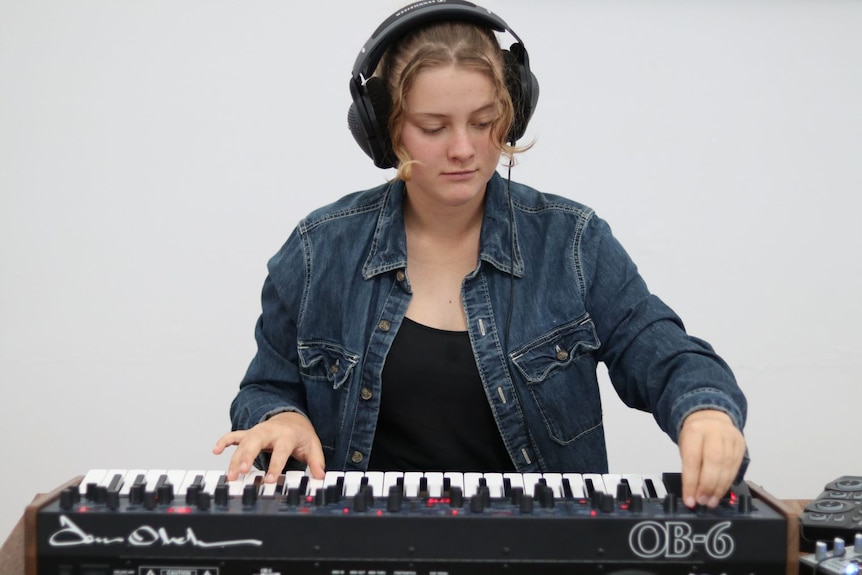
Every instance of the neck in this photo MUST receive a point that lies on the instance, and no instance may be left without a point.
(443, 223)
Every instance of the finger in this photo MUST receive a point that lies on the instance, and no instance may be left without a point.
(691, 466)
(243, 457)
(277, 462)
(311, 452)
(226, 440)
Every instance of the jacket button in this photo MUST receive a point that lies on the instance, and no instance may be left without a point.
(365, 393)
(562, 355)
(334, 369)
(356, 457)
(400, 275)
(384, 325)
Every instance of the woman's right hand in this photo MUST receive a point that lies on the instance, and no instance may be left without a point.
(283, 435)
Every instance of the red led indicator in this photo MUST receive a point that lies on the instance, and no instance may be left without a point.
(345, 510)
(83, 509)
(180, 510)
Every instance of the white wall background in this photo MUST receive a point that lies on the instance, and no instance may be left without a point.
(153, 155)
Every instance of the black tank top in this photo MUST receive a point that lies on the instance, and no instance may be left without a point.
(434, 415)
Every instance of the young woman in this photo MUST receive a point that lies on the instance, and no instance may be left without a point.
(452, 319)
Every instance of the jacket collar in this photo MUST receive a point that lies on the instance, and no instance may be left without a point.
(496, 246)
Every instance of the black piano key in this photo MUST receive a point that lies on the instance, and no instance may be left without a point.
(567, 489)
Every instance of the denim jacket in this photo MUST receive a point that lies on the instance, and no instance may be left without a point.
(552, 295)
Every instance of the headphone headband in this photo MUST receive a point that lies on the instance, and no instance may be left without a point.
(415, 16)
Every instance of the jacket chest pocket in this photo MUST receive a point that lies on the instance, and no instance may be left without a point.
(561, 377)
(326, 362)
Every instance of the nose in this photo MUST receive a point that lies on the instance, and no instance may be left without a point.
(461, 145)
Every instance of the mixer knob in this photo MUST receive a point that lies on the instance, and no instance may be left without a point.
(112, 499)
(636, 505)
(249, 495)
(204, 501)
(320, 497)
(607, 504)
(393, 501)
(857, 543)
(670, 503)
(166, 493)
(477, 504)
(360, 501)
(67, 498)
(526, 504)
(292, 497)
(136, 494)
(221, 495)
(744, 503)
(838, 548)
(192, 494)
(546, 498)
(456, 496)
(624, 491)
(516, 494)
(149, 500)
(820, 551)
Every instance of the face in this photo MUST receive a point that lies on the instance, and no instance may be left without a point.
(447, 131)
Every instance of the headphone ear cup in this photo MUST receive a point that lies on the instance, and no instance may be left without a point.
(368, 121)
(523, 88)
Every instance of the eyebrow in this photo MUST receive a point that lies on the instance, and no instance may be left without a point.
(482, 110)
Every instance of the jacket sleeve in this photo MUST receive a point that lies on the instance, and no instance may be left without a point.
(653, 363)
(272, 383)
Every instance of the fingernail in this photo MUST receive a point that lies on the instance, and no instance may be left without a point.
(713, 502)
(270, 478)
(703, 500)
(689, 501)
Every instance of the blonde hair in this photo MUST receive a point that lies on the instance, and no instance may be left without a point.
(449, 43)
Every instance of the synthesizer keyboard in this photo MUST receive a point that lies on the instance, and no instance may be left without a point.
(194, 522)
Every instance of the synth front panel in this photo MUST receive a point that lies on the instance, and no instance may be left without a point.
(194, 522)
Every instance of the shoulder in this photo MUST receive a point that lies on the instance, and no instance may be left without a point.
(530, 200)
(353, 204)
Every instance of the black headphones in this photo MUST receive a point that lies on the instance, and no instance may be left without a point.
(368, 116)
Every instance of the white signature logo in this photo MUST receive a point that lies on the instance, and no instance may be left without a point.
(677, 540)
(70, 535)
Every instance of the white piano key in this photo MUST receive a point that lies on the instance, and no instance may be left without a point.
(352, 481)
(471, 483)
(92, 476)
(455, 478)
(435, 483)
(390, 479)
(331, 478)
(411, 483)
(657, 483)
(188, 481)
(515, 480)
(555, 482)
(313, 485)
(576, 483)
(494, 481)
(611, 481)
(375, 480)
(269, 489)
(293, 479)
(530, 481)
(176, 477)
(111, 474)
